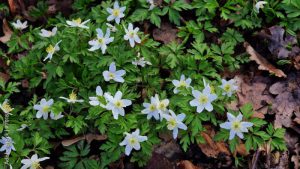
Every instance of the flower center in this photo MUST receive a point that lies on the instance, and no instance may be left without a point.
(8, 144)
(203, 99)
(45, 109)
(116, 12)
(172, 123)
(119, 104)
(227, 88)
(161, 106)
(132, 141)
(101, 40)
(35, 165)
(236, 125)
(6, 107)
(73, 96)
(50, 49)
(131, 34)
(152, 107)
(111, 75)
(182, 83)
(78, 21)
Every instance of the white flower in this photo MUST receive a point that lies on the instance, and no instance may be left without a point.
(132, 141)
(45, 33)
(78, 23)
(7, 145)
(181, 83)
(203, 99)
(175, 122)
(140, 61)
(260, 5)
(151, 109)
(131, 35)
(152, 5)
(229, 87)
(5, 107)
(33, 162)
(161, 106)
(236, 126)
(116, 104)
(101, 41)
(23, 126)
(112, 27)
(94, 101)
(113, 74)
(72, 98)
(56, 116)
(117, 13)
(51, 50)
(43, 108)
(19, 25)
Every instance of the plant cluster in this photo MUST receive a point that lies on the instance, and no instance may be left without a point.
(99, 73)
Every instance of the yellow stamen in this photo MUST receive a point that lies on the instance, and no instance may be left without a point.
(152, 107)
(78, 21)
(203, 99)
(132, 141)
(227, 87)
(72, 96)
(111, 75)
(46, 109)
(161, 106)
(50, 49)
(236, 125)
(182, 84)
(119, 104)
(100, 40)
(116, 12)
(36, 165)
(172, 123)
(6, 107)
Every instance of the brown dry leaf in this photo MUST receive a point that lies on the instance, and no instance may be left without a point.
(5, 77)
(159, 161)
(254, 91)
(165, 34)
(241, 149)
(6, 31)
(295, 159)
(297, 120)
(185, 164)
(287, 100)
(12, 6)
(296, 62)
(211, 148)
(89, 138)
(262, 62)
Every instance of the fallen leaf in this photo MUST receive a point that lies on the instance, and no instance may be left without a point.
(5, 77)
(295, 159)
(89, 138)
(6, 31)
(211, 148)
(297, 120)
(254, 91)
(168, 149)
(241, 149)
(286, 102)
(185, 164)
(262, 62)
(12, 6)
(283, 161)
(159, 161)
(165, 34)
(281, 45)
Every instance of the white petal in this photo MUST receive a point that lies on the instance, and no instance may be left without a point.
(128, 149)
(230, 117)
(200, 108)
(232, 134)
(226, 125)
(240, 134)
(110, 17)
(209, 107)
(175, 132)
(99, 91)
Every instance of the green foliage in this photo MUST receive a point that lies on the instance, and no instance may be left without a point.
(208, 41)
(76, 157)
